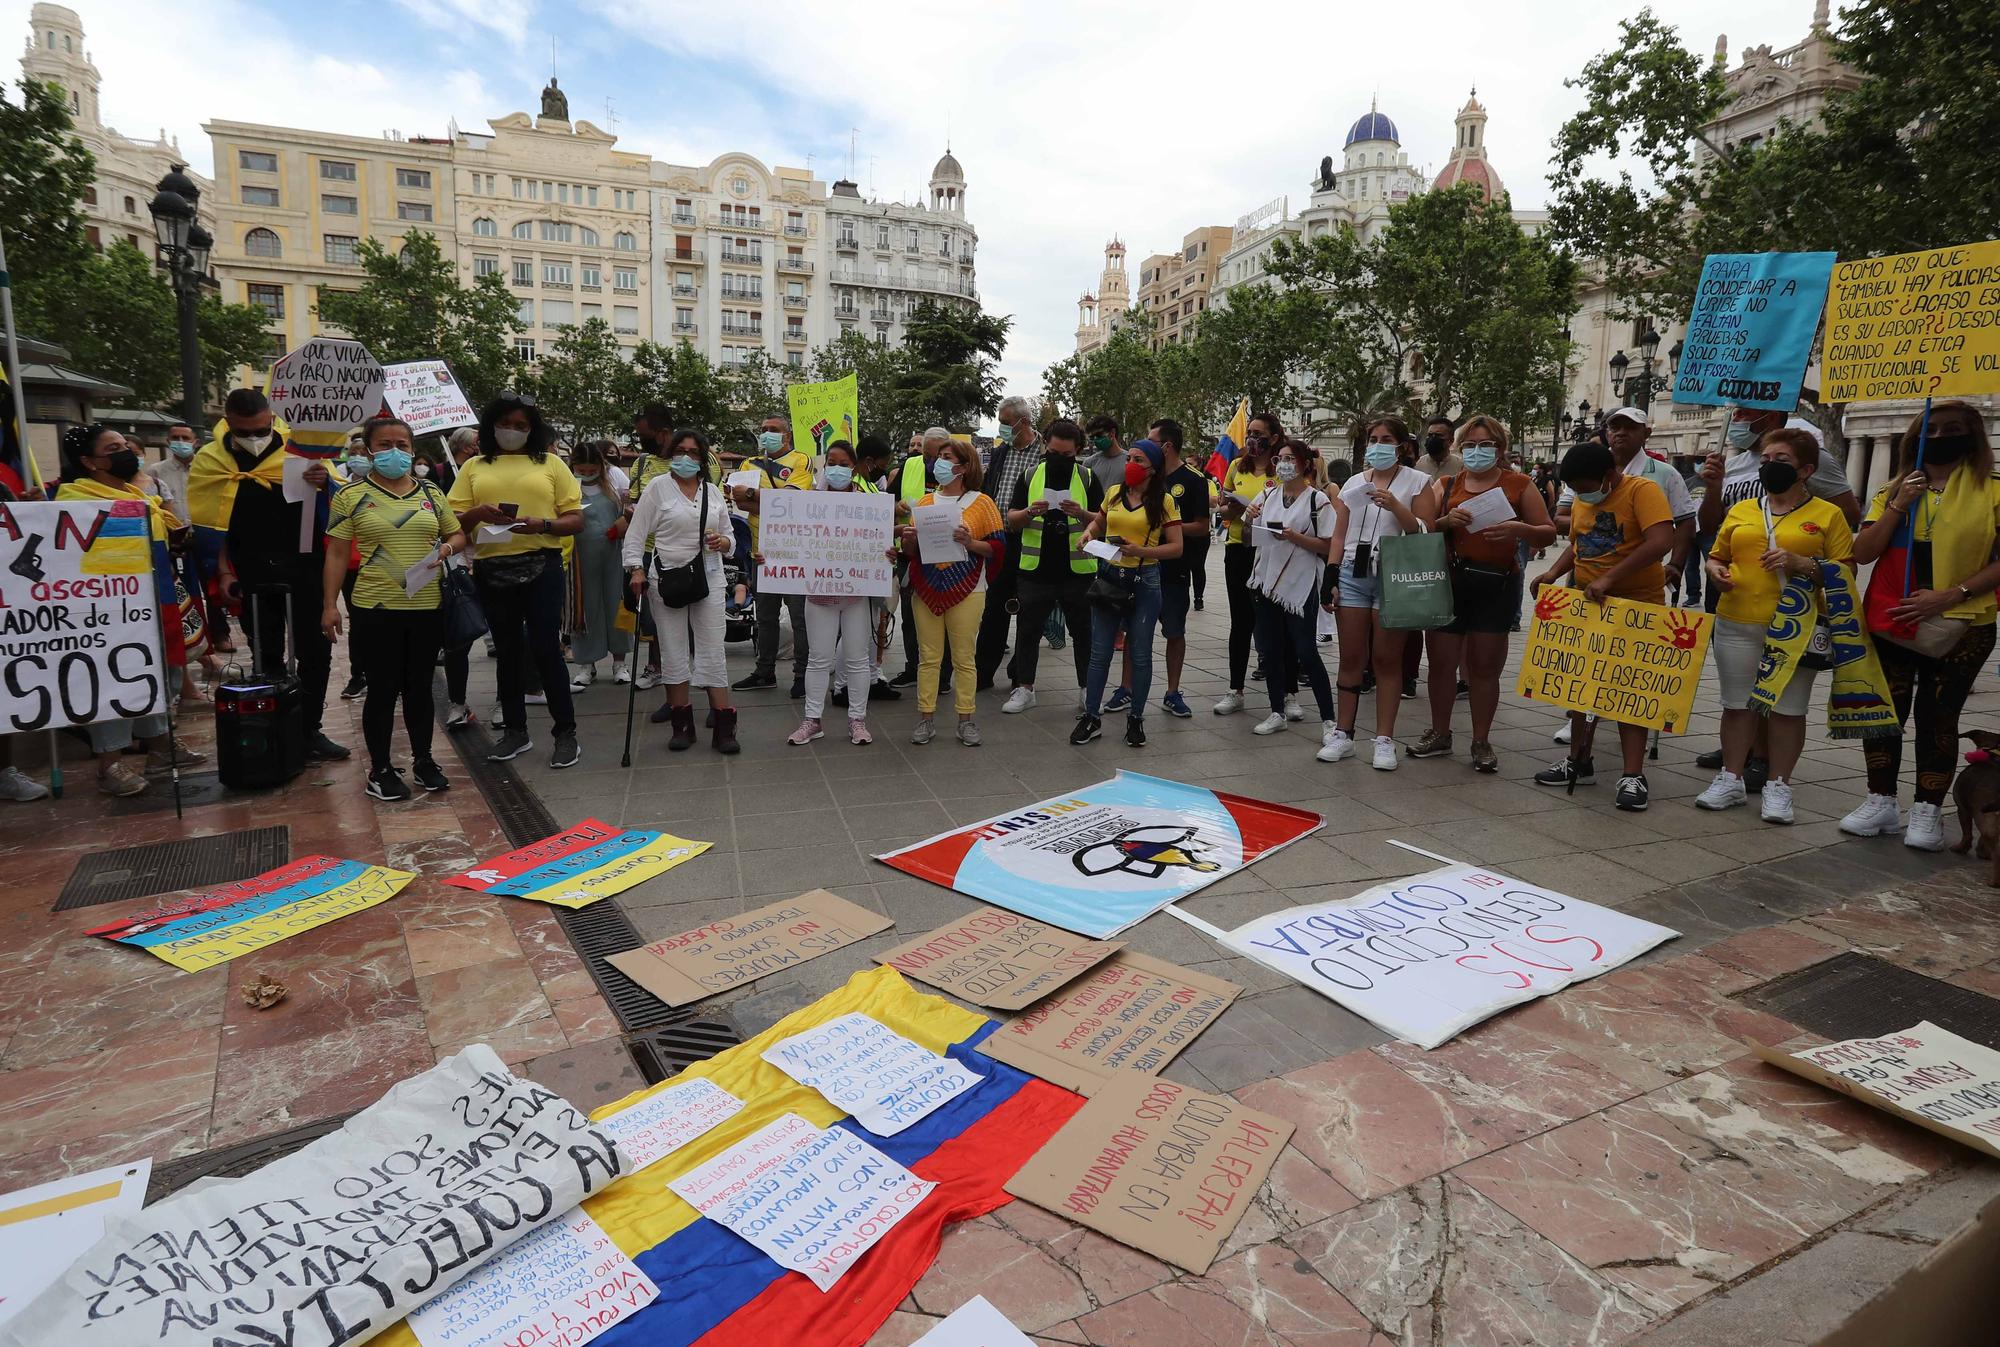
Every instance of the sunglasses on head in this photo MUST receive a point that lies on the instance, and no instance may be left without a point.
(517, 399)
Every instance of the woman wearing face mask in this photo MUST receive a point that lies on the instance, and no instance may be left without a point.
(396, 520)
(600, 579)
(1484, 564)
(843, 626)
(522, 501)
(1385, 500)
(97, 466)
(1930, 607)
(1144, 524)
(950, 596)
(1247, 477)
(1292, 523)
(354, 468)
(686, 516)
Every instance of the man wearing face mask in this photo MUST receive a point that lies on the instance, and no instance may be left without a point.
(1105, 456)
(170, 474)
(236, 487)
(1055, 571)
(780, 468)
(1438, 458)
(1016, 447)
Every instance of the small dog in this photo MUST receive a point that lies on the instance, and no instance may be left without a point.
(1977, 795)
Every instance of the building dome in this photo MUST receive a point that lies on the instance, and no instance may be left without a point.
(1475, 171)
(1373, 126)
(948, 169)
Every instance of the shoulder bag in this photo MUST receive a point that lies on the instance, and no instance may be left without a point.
(687, 584)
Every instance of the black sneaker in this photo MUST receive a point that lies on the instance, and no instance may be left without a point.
(1756, 772)
(1633, 794)
(1368, 681)
(1464, 689)
(1087, 729)
(750, 682)
(1710, 762)
(357, 686)
(386, 783)
(1135, 732)
(1197, 605)
(510, 745)
(1409, 689)
(324, 749)
(1568, 772)
(799, 690)
(884, 692)
(839, 697)
(566, 753)
(905, 679)
(428, 776)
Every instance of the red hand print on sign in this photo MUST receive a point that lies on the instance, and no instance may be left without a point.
(1553, 603)
(1682, 630)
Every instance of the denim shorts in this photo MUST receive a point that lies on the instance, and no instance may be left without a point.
(1363, 593)
(1176, 592)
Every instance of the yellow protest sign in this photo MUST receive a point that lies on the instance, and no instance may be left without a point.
(1635, 663)
(823, 413)
(1916, 325)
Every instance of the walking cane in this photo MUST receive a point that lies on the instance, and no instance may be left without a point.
(632, 685)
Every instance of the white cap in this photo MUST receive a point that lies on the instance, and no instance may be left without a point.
(1636, 415)
(1800, 423)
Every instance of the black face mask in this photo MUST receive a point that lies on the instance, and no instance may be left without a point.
(1947, 448)
(122, 464)
(1434, 445)
(1778, 478)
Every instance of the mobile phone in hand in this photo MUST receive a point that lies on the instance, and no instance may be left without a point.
(510, 510)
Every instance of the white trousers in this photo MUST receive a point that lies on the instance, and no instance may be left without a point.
(847, 624)
(691, 640)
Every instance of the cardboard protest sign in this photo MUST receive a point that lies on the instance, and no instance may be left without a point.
(1101, 858)
(1635, 663)
(1916, 325)
(998, 958)
(79, 614)
(566, 1282)
(1926, 1075)
(342, 1238)
(324, 389)
(424, 393)
(881, 1079)
(579, 865)
(830, 544)
(215, 926)
(1751, 332)
(823, 413)
(813, 1199)
(660, 1124)
(722, 954)
(46, 1228)
(1427, 956)
(1130, 1016)
(1162, 1167)
(975, 1324)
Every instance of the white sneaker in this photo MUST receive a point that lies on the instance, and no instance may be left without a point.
(1334, 743)
(1293, 711)
(18, 786)
(536, 699)
(1229, 704)
(1019, 700)
(1270, 724)
(1561, 736)
(583, 677)
(649, 677)
(1386, 757)
(1777, 797)
(1926, 829)
(1727, 791)
(456, 714)
(1874, 817)
(621, 673)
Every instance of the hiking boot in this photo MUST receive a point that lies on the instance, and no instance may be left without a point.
(724, 733)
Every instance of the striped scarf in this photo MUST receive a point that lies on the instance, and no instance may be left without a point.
(942, 588)
(1858, 705)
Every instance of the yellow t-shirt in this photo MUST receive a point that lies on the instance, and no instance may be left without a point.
(1240, 480)
(393, 533)
(1816, 529)
(1947, 571)
(1606, 533)
(543, 490)
(1129, 526)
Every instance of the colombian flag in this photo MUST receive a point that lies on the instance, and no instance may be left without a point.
(719, 1291)
(1231, 441)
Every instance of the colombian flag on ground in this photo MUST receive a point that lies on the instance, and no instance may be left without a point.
(580, 865)
(1232, 440)
(718, 1291)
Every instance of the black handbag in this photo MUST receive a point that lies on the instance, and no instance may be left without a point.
(687, 584)
(1112, 593)
(463, 620)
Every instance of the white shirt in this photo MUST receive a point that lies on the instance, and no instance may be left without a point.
(614, 477)
(673, 521)
(1282, 571)
(171, 476)
(1680, 501)
(1368, 522)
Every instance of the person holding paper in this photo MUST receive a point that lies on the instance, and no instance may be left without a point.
(779, 467)
(600, 582)
(1485, 512)
(1053, 572)
(1140, 520)
(912, 483)
(1298, 523)
(843, 625)
(1246, 478)
(399, 523)
(951, 596)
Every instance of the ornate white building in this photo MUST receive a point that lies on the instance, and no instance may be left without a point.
(1098, 314)
(885, 256)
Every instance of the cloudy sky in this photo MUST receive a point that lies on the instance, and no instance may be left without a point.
(1075, 120)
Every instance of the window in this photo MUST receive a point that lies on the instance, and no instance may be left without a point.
(555, 273)
(413, 210)
(524, 350)
(338, 205)
(591, 193)
(260, 196)
(910, 240)
(881, 236)
(558, 313)
(739, 185)
(262, 243)
(279, 344)
(344, 249)
(485, 228)
(683, 320)
(269, 298)
(592, 277)
(524, 271)
(525, 311)
(486, 266)
(683, 210)
(524, 230)
(131, 206)
(625, 278)
(90, 196)
(624, 242)
(336, 170)
(586, 236)
(624, 318)
(796, 359)
(519, 187)
(562, 192)
(413, 177)
(556, 233)
(256, 161)
(548, 191)
(592, 312)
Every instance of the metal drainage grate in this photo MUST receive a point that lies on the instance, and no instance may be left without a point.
(1859, 996)
(233, 1162)
(163, 867)
(666, 1052)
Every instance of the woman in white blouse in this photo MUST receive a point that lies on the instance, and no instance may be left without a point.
(686, 517)
(1290, 530)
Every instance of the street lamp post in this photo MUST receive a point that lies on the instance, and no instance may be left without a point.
(1561, 431)
(184, 249)
(1583, 420)
(1642, 391)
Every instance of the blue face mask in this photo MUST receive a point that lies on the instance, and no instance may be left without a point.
(1381, 456)
(839, 477)
(1741, 435)
(1004, 435)
(944, 469)
(393, 463)
(770, 441)
(181, 451)
(358, 465)
(1592, 497)
(1480, 457)
(684, 467)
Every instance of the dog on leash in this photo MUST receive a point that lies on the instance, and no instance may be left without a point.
(1977, 795)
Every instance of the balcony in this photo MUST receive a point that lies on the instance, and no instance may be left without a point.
(557, 285)
(685, 255)
(686, 291)
(744, 296)
(796, 335)
(798, 264)
(846, 315)
(795, 301)
(624, 289)
(797, 231)
(681, 329)
(846, 244)
(742, 259)
(626, 331)
(742, 224)
(687, 218)
(882, 315)
(911, 249)
(592, 289)
(743, 330)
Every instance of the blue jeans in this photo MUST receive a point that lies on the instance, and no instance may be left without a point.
(1137, 625)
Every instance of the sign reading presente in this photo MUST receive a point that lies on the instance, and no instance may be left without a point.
(1751, 332)
(1632, 662)
(829, 544)
(1916, 325)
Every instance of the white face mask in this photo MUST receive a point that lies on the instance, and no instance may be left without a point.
(254, 443)
(511, 440)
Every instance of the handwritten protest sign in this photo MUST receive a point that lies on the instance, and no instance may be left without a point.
(580, 865)
(998, 958)
(424, 393)
(1160, 1166)
(565, 1283)
(831, 544)
(1751, 332)
(1926, 1075)
(662, 1123)
(869, 1071)
(325, 388)
(1915, 325)
(1130, 1015)
(79, 614)
(975, 1324)
(814, 1200)
(1635, 663)
(46, 1228)
(342, 1238)
(1427, 956)
(823, 413)
(735, 950)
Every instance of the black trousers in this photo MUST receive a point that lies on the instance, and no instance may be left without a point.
(1237, 559)
(996, 620)
(1039, 599)
(398, 652)
(526, 624)
(266, 581)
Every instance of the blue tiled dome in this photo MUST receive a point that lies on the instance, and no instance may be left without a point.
(1374, 126)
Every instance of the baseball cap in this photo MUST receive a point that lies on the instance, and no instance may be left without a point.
(1636, 415)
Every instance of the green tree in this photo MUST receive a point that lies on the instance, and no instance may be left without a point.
(1122, 376)
(583, 384)
(1059, 387)
(880, 382)
(680, 376)
(232, 336)
(44, 172)
(412, 306)
(756, 389)
(1262, 344)
(949, 376)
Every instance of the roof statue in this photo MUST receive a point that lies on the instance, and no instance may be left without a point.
(555, 103)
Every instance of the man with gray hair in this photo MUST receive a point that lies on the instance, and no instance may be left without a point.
(911, 484)
(1015, 449)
